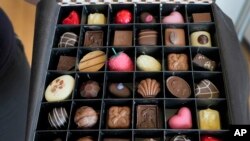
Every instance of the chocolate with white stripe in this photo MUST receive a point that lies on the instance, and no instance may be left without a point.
(58, 117)
(206, 89)
(92, 61)
(148, 37)
(68, 39)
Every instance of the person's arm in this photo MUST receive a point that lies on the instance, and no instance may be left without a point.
(7, 39)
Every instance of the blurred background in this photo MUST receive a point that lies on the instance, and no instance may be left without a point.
(22, 15)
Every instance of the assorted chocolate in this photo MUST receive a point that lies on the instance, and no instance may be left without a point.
(89, 89)
(147, 37)
(123, 38)
(66, 63)
(85, 117)
(58, 117)
(204, 62)
(177, 62)
(147, 117)
(119, 117)
(93, 39)
(175, 37)
(169, 79)
(68, 39)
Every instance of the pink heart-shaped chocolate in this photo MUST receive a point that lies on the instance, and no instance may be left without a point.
(73, 18)
(182, 120)
(174, 17)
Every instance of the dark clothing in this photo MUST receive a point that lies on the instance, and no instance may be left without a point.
(14, 85)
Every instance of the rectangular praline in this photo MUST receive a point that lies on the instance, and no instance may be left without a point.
(147, 117)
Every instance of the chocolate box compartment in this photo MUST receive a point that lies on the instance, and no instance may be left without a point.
(175, 26)
(156, 54)
(159, 105)
(187, 76)
(50, 136)
(130, 51)
(148, 8)
(172, 106)
(43, 122)
(156, 27)
(211, 53)
(117, 7)
(85, 77)
(91, 9)
(65, 11)
(103, 28)
(55, 56)
(139, 76)
(168, 8)
(177, 50)
(52, 76)
(83, 51)
(115, 102)
(139, 135)
(192, 135)
(199, 8)
(209, 27)
(220, 106)
(75, 135)
(215, 78)
(120, 134)
(60, 30)
(95, 104)
(119, 27)
(127, 78)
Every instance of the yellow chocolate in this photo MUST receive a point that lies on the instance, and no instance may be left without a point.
(209, 119)
(96, 18)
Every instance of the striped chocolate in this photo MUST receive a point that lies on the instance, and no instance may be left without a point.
(92, 61)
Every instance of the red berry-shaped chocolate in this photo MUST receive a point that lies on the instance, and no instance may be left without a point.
(73, 18)
(123, 17)
(209, 138)
(121, 62)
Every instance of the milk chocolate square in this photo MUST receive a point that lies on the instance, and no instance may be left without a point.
(123, 38)
(201, 17)
(119, 117)
(93, 39)
(66, 63)
(147, 117)
(177, 62)
(175, 37)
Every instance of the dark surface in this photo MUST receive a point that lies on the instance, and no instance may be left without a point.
(234, 86)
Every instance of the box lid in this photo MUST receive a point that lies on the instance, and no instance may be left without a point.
(81, 2)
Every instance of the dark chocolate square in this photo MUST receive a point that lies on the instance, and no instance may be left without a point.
(123, 38)
(66, 63)
(147, 117)
(201, 17)
(93, 39)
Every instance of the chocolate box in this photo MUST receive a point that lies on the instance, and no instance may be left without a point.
(225, 52)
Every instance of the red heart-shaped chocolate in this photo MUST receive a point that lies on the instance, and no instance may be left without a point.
(209, 138)
(73, 18)
(182, 120)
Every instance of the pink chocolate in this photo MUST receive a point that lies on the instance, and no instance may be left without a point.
(182, 120)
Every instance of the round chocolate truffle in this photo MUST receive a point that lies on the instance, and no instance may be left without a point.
(123, 17)
(89, 89)
(58, 117)
(146, 17)
(88, 138)
(119, 90)
(85, 117)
